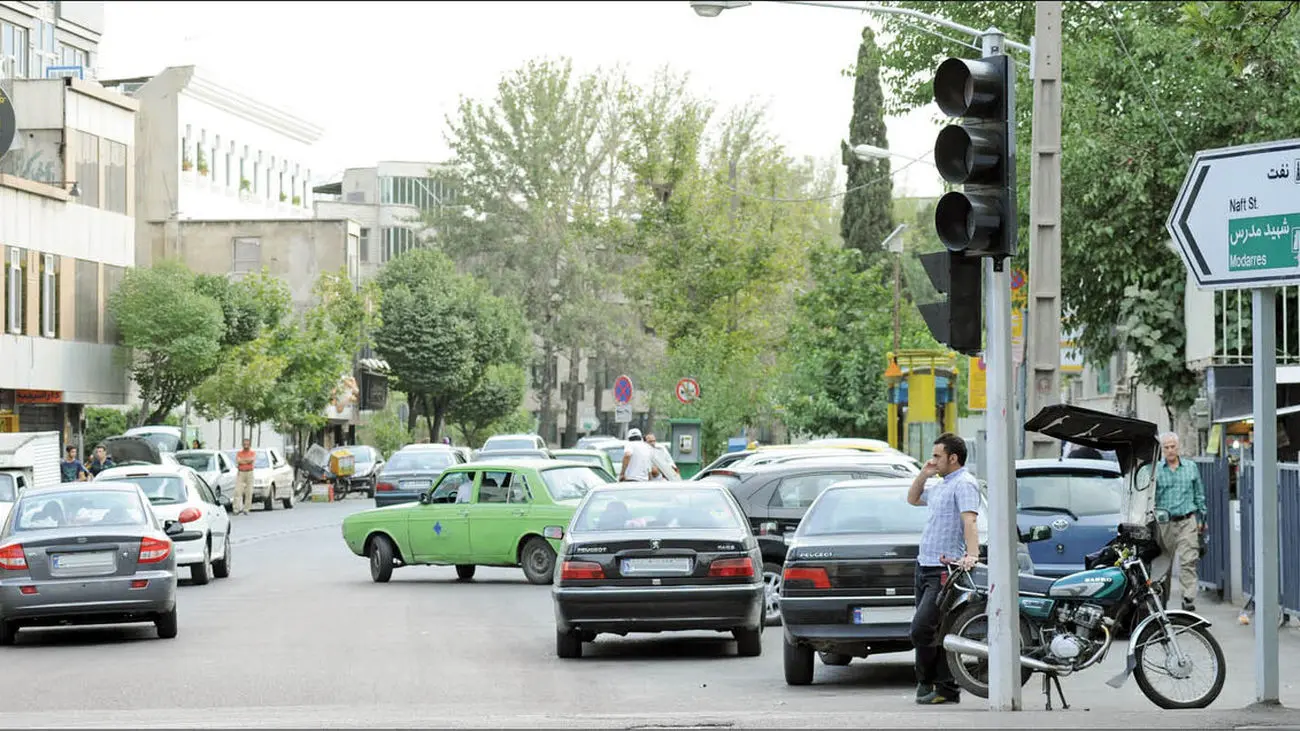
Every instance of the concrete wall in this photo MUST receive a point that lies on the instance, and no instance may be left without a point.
(86, 373)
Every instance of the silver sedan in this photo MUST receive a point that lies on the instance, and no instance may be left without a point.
(77, 554)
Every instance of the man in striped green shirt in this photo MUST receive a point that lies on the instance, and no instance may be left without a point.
(1180, 495)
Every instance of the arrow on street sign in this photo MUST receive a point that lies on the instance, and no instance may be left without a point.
(1237, 217)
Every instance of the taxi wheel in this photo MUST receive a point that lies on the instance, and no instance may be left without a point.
(538, 561)
(568, 645)
(798, 661)
(8, 632)
(381, 560)
(749, 642)
(465, 572)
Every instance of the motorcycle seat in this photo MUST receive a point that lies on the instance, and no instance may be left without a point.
(1029, 584)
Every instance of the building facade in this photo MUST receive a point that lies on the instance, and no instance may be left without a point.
(49, 39)
(67, 237)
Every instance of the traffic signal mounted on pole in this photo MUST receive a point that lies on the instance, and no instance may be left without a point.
(955, 323)
(979, 154)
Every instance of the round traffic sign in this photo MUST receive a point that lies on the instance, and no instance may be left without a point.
(8, 123)
(623, 389)
(688, 389)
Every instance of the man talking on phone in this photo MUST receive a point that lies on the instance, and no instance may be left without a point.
(950, 534)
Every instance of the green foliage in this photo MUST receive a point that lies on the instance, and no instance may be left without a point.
(867, 217)
(496, 397)
(102, 423)
(174, 333)
(384, 430)
(441, 331)
(1146, 85)
(838, 345)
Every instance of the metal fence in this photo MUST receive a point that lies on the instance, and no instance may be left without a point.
(1288, 489)
(1215, 567)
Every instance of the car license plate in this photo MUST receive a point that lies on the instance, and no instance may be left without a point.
(646, 566)
(416, 484)
(91, 560)
(883, 615)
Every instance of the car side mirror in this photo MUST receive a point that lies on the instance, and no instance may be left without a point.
(1037, 533)
(173, 527)
(426, 498)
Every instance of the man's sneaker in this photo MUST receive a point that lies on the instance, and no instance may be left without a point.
(923, 689)
(937, 697)
(1189, 605)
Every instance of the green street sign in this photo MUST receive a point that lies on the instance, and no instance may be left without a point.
(1261, 243)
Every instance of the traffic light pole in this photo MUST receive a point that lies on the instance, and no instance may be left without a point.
(999, 423)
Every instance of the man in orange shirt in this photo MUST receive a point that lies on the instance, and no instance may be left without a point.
(244, 461)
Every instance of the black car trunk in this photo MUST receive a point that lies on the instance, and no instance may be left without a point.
(660, 558)
(884, 569)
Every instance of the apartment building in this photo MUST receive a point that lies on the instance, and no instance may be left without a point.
(67, 208)
(49, 39)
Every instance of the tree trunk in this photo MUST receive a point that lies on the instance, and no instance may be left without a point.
(598, 391)
(435, 417)
(156, 416)
(546, 404)
(412, 413)
(573, 402)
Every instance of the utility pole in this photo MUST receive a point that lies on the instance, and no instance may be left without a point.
(893, 243)
(1043, 328)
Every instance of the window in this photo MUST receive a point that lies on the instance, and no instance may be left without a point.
(494, 488)
(85, 507)
(571, 483)
(160, 489)
(397, 241)
(657, 508)
(87, 302)
(112, 280)
(8, 493)
(49, 295)
(115, 195)
(419, 460)
(864, 510)
(205, 492)
(16, 290)
(256, 168)
(423, 193)
(1082, 493)
(449, 487)
(13, 49)
(88, 169)
(364, 243)
(799, 491)
(1103, 379)
(229, 181)
(247, 256)
(75, 57)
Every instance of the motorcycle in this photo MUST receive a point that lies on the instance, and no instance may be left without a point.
(1069, 624)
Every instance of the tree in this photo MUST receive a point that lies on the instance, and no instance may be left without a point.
(867, 218)
(245, 383)
(837, 348)
(497, 396)
(441, 331)
(1147, 84)
(174, 333)
(534, 171)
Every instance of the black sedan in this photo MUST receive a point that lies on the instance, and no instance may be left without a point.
(678, 556)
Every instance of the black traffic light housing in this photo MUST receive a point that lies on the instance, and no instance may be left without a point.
(956, 322)
(978, 153)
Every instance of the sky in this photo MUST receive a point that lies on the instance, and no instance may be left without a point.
(381, 77)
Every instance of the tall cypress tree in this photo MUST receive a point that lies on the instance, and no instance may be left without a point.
(868, 207)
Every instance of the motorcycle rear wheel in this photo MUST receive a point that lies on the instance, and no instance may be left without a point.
(1188, 634)
(976, 680)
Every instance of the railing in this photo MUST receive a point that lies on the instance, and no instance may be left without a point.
(1215, 567)
(1232, 327)
(1288, 494)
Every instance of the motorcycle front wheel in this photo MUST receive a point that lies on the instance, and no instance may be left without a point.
(1197, 665)
(972, 673)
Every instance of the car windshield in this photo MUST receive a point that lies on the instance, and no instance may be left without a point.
(863, 510)
(420, 460)
(657, 508)
(495, 444)
(260, 460)
(592, 459)
(163, 441)
(615, 454)
(572, 483)
(198, 461)
(361, 456)
(8, 493)
(160, 489)
(88, 508)
(1082, 493)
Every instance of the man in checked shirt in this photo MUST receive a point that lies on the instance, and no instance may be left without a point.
(951, 533)
(1180, 514)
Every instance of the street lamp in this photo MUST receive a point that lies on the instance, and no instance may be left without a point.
(714, 8)
(869, 153)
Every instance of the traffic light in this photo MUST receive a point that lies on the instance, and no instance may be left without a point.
(978, 153)
(956, 322)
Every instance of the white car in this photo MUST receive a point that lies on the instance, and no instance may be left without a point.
(214, 467)
(8, 496)
(178, 493)
(272, 477)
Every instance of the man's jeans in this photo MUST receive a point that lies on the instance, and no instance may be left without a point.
(931, 663)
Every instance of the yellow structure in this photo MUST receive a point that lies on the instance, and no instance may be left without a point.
(922, 398)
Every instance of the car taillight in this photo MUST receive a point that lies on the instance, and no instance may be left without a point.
(577, 570)
(731, 568)
(816, 575)
(189, 515)
(153, 550)
(385, 487)
(13, 558)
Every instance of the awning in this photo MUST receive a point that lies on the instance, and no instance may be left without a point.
(376, 366)
(329, 189)
(1280, 412)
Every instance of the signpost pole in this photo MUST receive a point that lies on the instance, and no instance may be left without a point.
(1267, 599)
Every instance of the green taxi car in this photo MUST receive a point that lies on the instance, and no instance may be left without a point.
(593, 457)
(477, 514)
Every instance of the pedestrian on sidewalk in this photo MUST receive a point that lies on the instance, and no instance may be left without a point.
(1180, 515)
(71, 469)
(950, 531)
(244, 462)
(638, 458)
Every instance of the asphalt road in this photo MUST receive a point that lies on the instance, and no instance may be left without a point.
(299, 636)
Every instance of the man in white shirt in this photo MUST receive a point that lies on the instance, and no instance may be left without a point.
(638, 458)
(664, 466)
